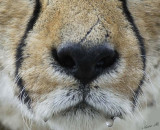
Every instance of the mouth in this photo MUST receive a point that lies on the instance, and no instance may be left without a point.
(88, 110)
(88, 103)
(96, 104)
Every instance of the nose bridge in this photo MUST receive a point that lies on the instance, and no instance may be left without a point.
(96, 34)
(81, 32)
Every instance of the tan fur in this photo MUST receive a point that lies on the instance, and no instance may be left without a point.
(68, 21)
(148, 17)
(52, 28)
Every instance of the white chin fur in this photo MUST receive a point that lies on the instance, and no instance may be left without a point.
(57, 101)
(78, 122)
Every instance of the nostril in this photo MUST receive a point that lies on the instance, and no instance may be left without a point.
(101, 63)
(107, 62)
(63, 59)
(67, 61)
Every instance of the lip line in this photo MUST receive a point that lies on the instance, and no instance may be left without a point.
(84, 105)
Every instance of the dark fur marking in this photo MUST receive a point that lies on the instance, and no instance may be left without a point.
(19, 53)
(82, 40)
(141, 44)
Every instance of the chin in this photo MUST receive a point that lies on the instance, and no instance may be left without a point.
(71, 111)
(79, 120)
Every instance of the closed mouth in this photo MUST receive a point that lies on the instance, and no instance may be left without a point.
(86, 109)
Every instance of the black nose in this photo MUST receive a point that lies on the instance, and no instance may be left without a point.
(86, 63)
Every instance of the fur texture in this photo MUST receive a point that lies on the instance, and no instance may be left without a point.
(37, 91)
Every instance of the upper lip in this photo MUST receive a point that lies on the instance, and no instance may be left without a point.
(84, 105)
(83, 99)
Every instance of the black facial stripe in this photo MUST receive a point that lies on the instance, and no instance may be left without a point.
(19, 53)
(141, 44)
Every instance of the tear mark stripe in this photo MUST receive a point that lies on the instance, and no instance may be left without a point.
(141, 45)
(19, 52)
